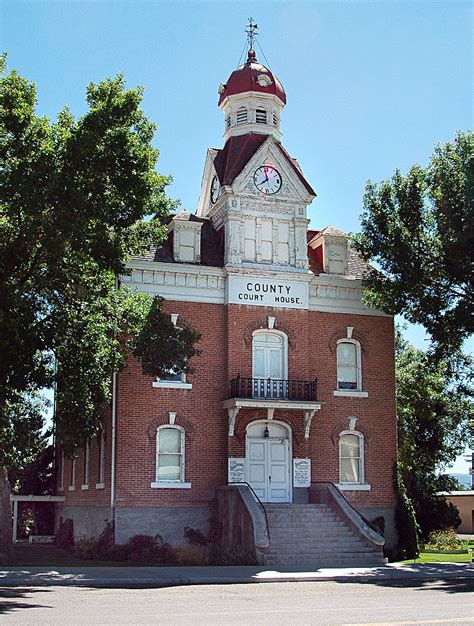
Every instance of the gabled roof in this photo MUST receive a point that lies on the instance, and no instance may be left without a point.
(235, 155)
(238, 151)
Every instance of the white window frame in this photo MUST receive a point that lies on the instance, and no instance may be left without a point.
(358, 392)
(171, 484)
(101, 441)
(87, 454)
(264, 331)
(360, 485)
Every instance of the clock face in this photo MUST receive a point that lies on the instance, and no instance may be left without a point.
(267, 179)
(215, 189)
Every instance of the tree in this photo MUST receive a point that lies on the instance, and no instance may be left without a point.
(434, 408)
(419, 231)
(74, 195)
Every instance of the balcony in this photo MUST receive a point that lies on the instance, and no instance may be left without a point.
(273, 389)
(272, 395)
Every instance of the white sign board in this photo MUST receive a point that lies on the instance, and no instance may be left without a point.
(301, 472)
(267, 292)
(236, 473)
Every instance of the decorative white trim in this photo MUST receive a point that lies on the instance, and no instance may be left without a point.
(71, 488)
(100, 485)
(84, 487)
(271, 322)
(350, 330)
(171, 385)
(170, 485)
(174, 318)
(353, 487)
(351, 393)
(172, 417)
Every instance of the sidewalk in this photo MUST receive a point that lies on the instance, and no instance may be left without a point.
(150, 577)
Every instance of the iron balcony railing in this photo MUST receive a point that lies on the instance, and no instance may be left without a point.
(273, 389)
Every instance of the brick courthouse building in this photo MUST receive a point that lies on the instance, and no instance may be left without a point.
(294, 388)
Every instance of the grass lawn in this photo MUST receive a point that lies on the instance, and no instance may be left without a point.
(429, 557)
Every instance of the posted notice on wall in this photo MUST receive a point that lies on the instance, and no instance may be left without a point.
(236, 471)
(267, 292)
(301, 472)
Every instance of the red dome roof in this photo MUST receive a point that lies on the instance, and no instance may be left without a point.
(252, 76)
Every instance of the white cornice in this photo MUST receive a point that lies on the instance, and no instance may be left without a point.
(198, 283)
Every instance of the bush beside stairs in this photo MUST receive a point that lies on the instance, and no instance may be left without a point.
(315, 536)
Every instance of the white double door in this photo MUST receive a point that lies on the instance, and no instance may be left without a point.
(268, 468)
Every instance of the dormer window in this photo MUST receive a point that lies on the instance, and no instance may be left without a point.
(261, 116)
(242, 116)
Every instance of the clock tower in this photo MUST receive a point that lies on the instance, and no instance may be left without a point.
(252, 188)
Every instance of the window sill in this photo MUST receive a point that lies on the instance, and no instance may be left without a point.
(170, 485)
(351, 393)
(71, 488)
(60, 488)
(100, 485)
(84, 487)
(353, 487)
(171, 385)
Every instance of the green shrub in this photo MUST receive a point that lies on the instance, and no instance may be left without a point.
(192, 554)
(445, 540)
(84, 548)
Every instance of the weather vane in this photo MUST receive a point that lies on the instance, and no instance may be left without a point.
(251, 32)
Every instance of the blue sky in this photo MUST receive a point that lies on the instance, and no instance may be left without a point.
(371, 86)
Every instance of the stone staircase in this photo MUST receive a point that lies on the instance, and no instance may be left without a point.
(315, 536)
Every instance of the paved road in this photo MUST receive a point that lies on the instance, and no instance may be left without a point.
(272, 604)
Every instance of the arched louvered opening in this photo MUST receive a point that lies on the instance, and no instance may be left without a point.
(261, 116)
(242, 116)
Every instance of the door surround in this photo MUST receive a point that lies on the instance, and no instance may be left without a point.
(277, 431)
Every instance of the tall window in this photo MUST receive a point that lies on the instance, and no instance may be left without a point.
(170, 454)
(261, 116)
(61, 471)
(72, 481)
(269, 364)
(242, 116)
(87, 445)
(351, 469)
(101, 459)
(348, 365)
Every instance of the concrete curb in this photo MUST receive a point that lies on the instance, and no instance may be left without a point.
(159, 577)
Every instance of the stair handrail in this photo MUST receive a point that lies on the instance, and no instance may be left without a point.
(259, 502)
(366, 528)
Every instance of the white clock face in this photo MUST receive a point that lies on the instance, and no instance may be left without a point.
(215, 189)
(267, 179)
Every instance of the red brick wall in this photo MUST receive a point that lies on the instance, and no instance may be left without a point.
(226, 345)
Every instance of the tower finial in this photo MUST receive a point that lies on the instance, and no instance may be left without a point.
(251, 31)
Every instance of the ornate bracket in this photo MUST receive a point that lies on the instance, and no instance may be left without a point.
(308, 418)
(232, 412)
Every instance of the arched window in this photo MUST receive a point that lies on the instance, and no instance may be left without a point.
(270, 358)
(351, 458)
(170, 443)
(261, 116)
(349, 375)
(241, 116)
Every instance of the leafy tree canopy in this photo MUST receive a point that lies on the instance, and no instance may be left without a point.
(73, 197)
(419, 231)
(434, 407)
